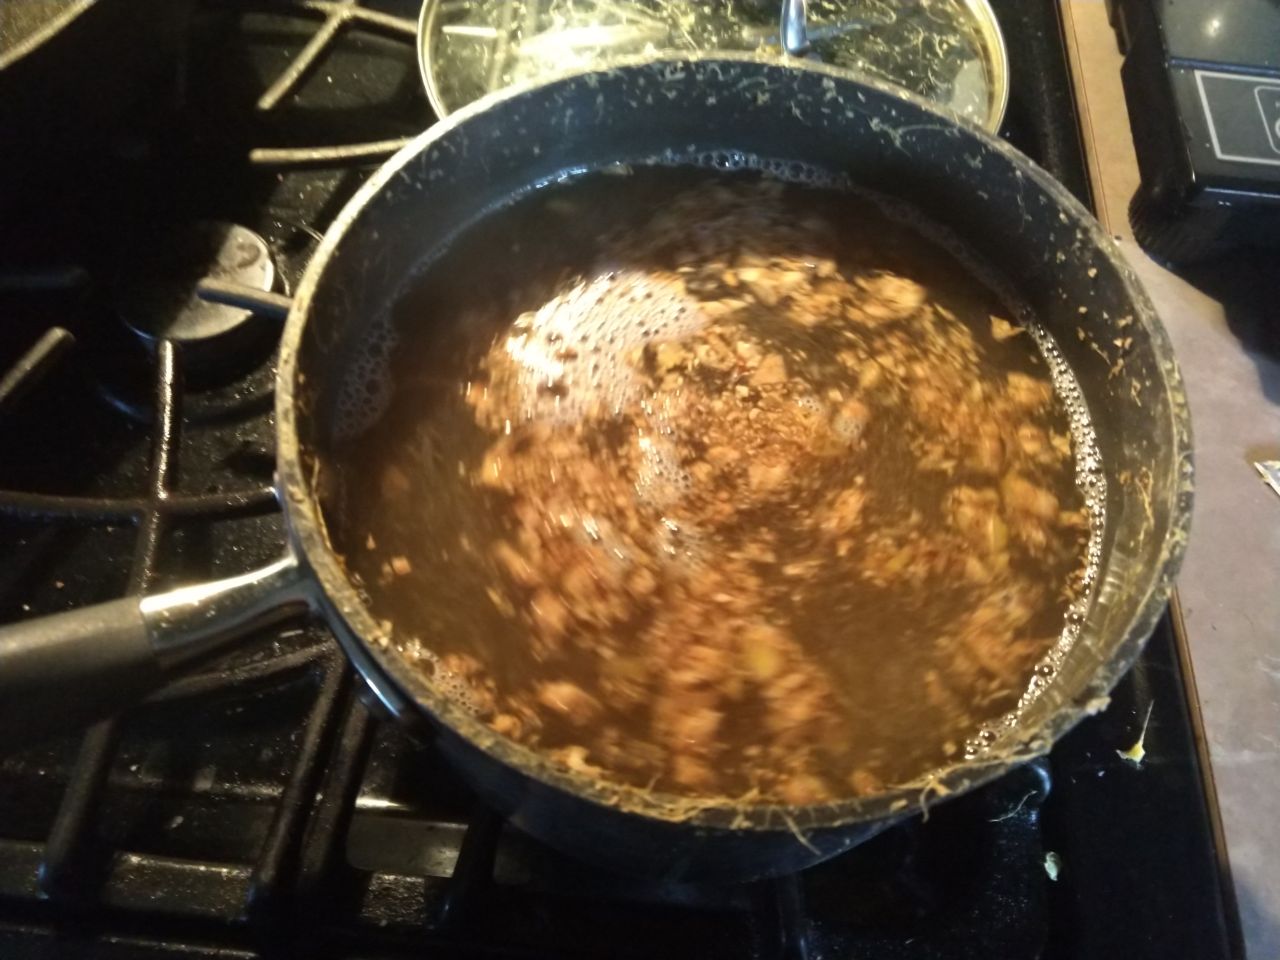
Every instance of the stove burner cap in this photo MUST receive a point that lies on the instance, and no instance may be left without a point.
(156, 295)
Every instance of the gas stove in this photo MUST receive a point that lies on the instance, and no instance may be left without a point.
(258, 806)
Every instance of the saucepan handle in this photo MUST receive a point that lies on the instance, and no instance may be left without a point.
(69, 669)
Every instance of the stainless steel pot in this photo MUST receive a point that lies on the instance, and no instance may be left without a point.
(949, 51)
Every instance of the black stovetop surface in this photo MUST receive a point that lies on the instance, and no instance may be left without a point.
(257, 807)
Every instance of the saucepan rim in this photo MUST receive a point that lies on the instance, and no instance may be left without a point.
(395, 678)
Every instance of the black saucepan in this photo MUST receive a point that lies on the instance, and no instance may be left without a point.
(1009, 211)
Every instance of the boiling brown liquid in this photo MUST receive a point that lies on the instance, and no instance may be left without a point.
(717, 485)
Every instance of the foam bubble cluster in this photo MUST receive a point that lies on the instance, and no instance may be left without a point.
(450, 684)
(576, 348)
(366, 388)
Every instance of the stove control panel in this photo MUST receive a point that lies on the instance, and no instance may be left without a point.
(1242, 113)
(1202, 82)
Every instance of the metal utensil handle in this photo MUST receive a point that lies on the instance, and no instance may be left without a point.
(793, 30)
(262, 302)
(68, 669)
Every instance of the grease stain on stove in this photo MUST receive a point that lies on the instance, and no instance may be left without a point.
(1138, 752)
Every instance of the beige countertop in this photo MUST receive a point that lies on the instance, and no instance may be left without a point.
(1224, 320)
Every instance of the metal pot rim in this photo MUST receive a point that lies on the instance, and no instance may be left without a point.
(402, 687)
(45, 32)
(982, 9)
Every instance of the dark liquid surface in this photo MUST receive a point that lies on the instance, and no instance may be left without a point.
(717, 485)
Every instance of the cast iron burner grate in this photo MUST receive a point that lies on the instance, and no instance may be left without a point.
(73, 862)
(258, 807)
